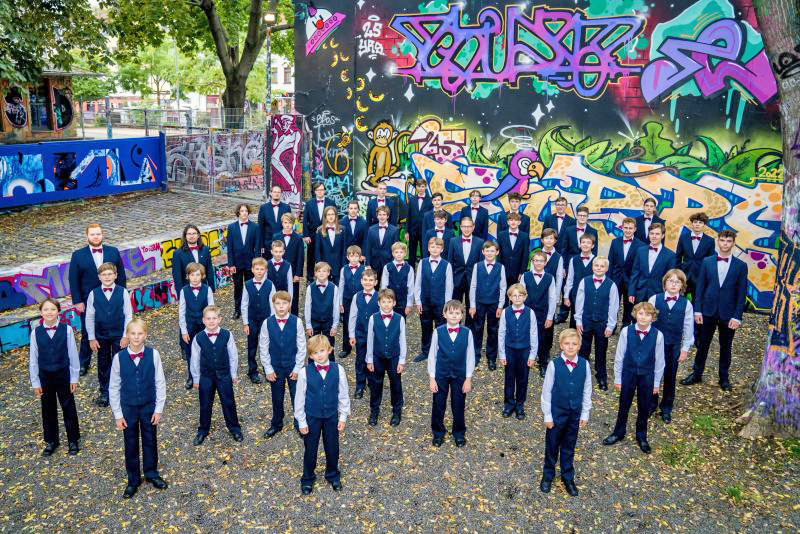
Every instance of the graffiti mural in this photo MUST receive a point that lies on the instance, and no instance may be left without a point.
(15, 108)
(286, 171)
(604, 103)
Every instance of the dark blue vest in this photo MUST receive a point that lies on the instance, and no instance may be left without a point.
(538, 298)
(518, 328)
(259, 307)
(365, 311)
(53, 355)
(214, 360)
(322, 396)
(282, 343)
(566, 397)
(488, 284)
(551, 266)
(579, 273)
(595, 300)
(451, 356)
(195, 305)
(386, 339)
(321, 304)
(137, 382)
(640, 354)
(351, 282)
(278, 277)
(670, 322)
(109, 314)
(398, 282)
(433, 285)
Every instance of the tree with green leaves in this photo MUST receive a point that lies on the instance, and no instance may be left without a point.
(234, 30)
(149, 71)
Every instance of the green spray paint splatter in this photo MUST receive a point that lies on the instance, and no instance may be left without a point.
(608, 8)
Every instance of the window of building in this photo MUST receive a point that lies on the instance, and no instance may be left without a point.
(273, 72)
(287, 74)
(40, 103)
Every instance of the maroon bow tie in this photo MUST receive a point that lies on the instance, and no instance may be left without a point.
(277, 264)
(697, 237)
(51, 327)
(108, 289)
(513, 233)
(675, 298)
(597, 280)
(321, 201)
(323, 367)
(329, 228)
(399, 265)
(196, 289)
(135, 355)
(97, 250)
(580, 229)
(386, 317)
(538, 274)
(212, 334)
(467, 240)
(439, 231)
(585, 258)
(257, 283)
(287, 235)
(648, 218)
(519, 311)
(321, 286)
(194, 247)
(244, 223)
(383, 226)
(353, 269)
(434, 261)
(559, 216)
(281, 321)
(548, 253)
(276, 205)
(626, 241)
(381, 200)
(720, 258)
(489, 264)
(654, 249)
(572, 364)
(453, 330)
(367, 294)
(353, 219)
(641, 332)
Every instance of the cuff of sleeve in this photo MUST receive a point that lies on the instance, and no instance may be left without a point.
(38, 384)
(548, 418)
(585, 416)
(268, 370)
(698, 314)
(738, 321)
(117, 414)
(343, 418)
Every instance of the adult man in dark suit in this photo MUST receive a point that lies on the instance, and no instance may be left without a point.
(312, 220)
(620, 258)
(650, 265)
(559, 221)
(649, 217)
(418, 206)
(693, 247)
(382, 199)
(83, 279)
(478, 215)
(719, 305)
(437, 199)
(571, 236)
(514, 201)
(354, 227)
(269, 220)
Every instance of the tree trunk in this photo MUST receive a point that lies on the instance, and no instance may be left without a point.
(776, 405)
(233, 102)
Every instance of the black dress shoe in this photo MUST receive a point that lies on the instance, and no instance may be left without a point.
(396, 417)
(49, 449)
(271, 431)
(460, 442)
(343, 354)
(571, 488)
(73, 448)
(492, 366)
(507, 412)
(420, 357)
(359, 393)
(666, 417)
(237, 436)
(101, 401)
(545, 484)
(644, 446)
(255, 378)
(83, 371)
(130, 491)
(336, 485)
(199, 439)
(306, 490)
(157, 482)
(725, 385)
(602, 385)
(542, 371)
(691, 379)
(520, 414)
(189, 383)
(612, 439)
(373, 419)
(437, 441)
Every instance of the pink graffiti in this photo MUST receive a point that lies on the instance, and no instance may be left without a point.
(560, 46)
(710, 61)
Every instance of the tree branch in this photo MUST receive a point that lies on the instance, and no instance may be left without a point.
(220, 37)
(253, 26)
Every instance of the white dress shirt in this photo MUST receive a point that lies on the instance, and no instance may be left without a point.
(559, 277)
(300, 395)
(409, 282)
(115, 384)
(687, 339)
(353, 317)
(560, 222)
(626, 247)
(97, 256)
(320, 208)
(466, 247)
(448, 279)
(501, 335)
(72, 356)
(547, 389)
(263, 346)
(337, 300)
(473, 283)
(289, 277)
(182, 308)
(695, 242)
(127, 310)
(613, 302)
(647, 222)
(571, 274)
(722, 268)
(622, 346)
(552, 293)
(652, 255)
(371, 342)
(244, 307)
(243, 229)
(435, 348)
(233, 356)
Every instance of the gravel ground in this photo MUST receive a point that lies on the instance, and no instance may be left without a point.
(701, 477)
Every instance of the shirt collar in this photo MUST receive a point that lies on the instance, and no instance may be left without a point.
(564, 357)
(520, 308)
(646, 330)
(212, 331)
(112, 286)
(282, 318)
(54, 325)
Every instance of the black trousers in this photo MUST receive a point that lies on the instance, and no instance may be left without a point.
(327, 428)
(241, 276)
(296, 298)
(105, 354)
(642, 387)
(55, 390)
(627, 306)
(594, 331)
(545, 338)
(311, 258)
(138, 420)
(431, 315)
(346, 303)
(414, 242)
(224, 387)
(186, 348)
(707, 329)
(278, 388)
(361, 364)
(458, 400)
(384, 366)
(400, 309)
(252, 346)
(671, 355)
(84, 351)
(515, 387)
(485, 314)
(561, 440)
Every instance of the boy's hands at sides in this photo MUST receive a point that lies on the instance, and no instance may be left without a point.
(122, 424)
(196, 386)
(81, 307)
(72, 387)
(433, 385)
(498, 312)
(472, 312)
(607, 332)
(352, 342)
(341, 308)
(246, 329)
(293, 376)
(618, 387)
(567, 302)
(655, 390)
(38, 391)
(155, 419)
(408, 310)
(683, 355)
(467, 385)
(419, 309)
(503, 362)
(371, 367)
(272, 376)
(185, 338)
(400, 368)
(549, 424)
(94, 345)
(582, 423)
(548, 323)
(340, 426)
(123, 342)
(309, 332)
(304, 430)
(531, 363)
(333, 332)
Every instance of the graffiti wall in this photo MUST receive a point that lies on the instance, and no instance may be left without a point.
(48, 172)
(33, 282)
(605, 103)
(54, 109)
(286, 139)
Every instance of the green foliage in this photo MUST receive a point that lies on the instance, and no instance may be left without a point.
(681, 454)
(655, 145)
(709, 425)
(793, 446)
(598, 155)
(735, 493)
(149, 71)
